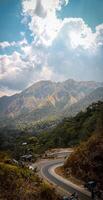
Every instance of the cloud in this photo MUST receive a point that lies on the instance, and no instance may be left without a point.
(6, 44)
(78, 33)
(60, 49)
(77, 51)
(44, 23)
(13, 71)
(39, 10)
(99, 35)
(30, 7)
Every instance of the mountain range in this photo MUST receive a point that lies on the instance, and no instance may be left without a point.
(50, 100)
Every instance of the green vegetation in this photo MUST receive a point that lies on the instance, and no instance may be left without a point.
(70, 132)
(86, 129)
(21, 183)
(86, 163)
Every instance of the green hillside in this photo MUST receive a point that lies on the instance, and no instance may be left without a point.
(72, 131)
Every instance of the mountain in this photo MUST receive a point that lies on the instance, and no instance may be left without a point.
(47, 100)
(82, 104)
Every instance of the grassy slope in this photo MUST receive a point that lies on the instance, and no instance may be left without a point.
(20, 183)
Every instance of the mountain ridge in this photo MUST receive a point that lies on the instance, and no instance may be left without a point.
(45, 99)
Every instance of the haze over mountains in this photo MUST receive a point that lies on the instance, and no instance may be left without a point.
(46, 100)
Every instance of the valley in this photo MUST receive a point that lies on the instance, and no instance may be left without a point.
(82, 133)
(51, 100)
(53, 127)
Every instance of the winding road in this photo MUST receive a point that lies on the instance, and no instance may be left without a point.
(47, 171)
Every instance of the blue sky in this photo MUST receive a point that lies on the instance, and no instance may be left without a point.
(90, 10)
(10, 14)
(55, 39)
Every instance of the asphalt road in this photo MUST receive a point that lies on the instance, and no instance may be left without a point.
(47, 171)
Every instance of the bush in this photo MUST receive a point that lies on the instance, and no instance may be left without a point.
(86, 163)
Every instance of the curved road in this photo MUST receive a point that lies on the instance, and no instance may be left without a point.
(48, 172)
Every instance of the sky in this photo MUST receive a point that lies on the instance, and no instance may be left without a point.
(49, 40)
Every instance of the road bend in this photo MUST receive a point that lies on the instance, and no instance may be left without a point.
(48, 173)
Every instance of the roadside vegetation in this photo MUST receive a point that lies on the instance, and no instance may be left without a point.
(86, 163)
(18, 182)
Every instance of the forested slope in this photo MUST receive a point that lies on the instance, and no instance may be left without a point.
(72, 131)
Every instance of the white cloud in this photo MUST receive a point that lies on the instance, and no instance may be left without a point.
(29, 7)
(44, 22)
(10, 65)
(45, 29)
(61, 48)
(22, 34)
(74, 45)
(14, 71)
(45, 25)
(6, 44)
(99, 35)
(46, 73)
(78, 33)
